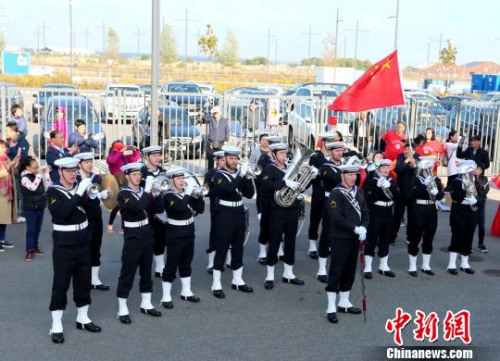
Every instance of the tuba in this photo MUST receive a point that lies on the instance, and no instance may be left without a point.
(299, 172)
(470, 187)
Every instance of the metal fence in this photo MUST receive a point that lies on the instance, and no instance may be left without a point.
(124, 115)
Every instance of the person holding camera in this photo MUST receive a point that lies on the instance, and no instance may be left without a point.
(217, 134)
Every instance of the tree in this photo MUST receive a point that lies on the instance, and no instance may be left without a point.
(329, 49)
(208, 43)
(2, 40)
(313, 61)
(113, 44)
(258, 60)
(229, 54)
(168, 52)
(448, 55)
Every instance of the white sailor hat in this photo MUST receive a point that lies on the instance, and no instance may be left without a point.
(466, 166)
(219, 154)
(231, 150)
(335, 145)
(426, 163)
(132, 167)
(330, 136)
(176, 172)
(383, 162)
(278, 146)
(274, 139)
(67, 163)
(353, 160)
(84, 156)
(349, 168)
(153, 149)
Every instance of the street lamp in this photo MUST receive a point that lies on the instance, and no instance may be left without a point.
(397, 23)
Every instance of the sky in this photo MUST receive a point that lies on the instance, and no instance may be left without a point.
(473, 27)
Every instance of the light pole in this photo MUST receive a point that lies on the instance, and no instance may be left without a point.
(397, 24)
(357, 30)
(309, 34)
(139, 34)
(155, 68)
(71, 38)
(336, 45)
(186, 20)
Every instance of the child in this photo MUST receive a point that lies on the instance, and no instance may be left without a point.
(17, 117)
(8, 197)
(34, 183)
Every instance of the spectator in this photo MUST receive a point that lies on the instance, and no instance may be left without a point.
(362, 131)
(61, 124)
(17, 116)
(56, 151)
(253, 119)
(81, 138)
(218, 133)
(431, 147)
(34, 183)
(8, 201)
(451, 146)
(482, 186)
(475, 152)
(393, 142)
(258, 151)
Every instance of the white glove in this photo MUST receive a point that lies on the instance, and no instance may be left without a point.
(428, 180)
(103, 194)
(387, 184)
(83, 185)
(314, 170)
(469, 201)
(434, 191)
(292, 184)
(244, 169)
(381, 182)
(149, 183)
(259, 215)
(188, 189)
(361, 232)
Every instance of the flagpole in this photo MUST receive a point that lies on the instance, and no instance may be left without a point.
(407, 113)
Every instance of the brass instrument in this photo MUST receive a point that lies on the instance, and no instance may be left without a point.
(386, 191)
(93, 189)
(199, 191)
(470, 187)
(160, 184)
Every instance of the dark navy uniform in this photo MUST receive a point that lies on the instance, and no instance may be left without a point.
(318, 196)
(213, 202)
(264, 201)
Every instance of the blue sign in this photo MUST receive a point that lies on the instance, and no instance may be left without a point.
(15, 63)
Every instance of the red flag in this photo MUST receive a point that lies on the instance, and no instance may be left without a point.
(378, 87)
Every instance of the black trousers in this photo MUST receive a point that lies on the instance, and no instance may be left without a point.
(265, 221)
(179, 256)
(284, 224)
(324, 242)
(463, 222)
(400, 204)
(480, 223)
(210, 156)
(424, 223)
(317, 200)
(95, 226)
(212, 234)
(343, 264)
(230, 231)
(377, 236)
(137, 252)
(258, 192)
(71, 263)
(159, 236)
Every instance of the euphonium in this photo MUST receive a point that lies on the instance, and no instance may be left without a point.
(160, 184)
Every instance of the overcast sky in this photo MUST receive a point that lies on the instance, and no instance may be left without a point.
(472, 26)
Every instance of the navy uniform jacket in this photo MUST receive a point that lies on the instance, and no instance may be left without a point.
(419, 189)
(231, 188)
(374, 193)
(330, 176)
(54, 154)
(207, 182)
(406, 174)
(180, 206)
(145, 173)
(317, 160)
(92, 206)
(272, 180)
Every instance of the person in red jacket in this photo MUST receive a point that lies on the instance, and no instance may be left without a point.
(394, 141)
(431, 147)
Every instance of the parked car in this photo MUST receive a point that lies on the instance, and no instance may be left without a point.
(11, 95)
(339, 87)
(190, 97)
(77, 107)
(47, 91)
(121, 102)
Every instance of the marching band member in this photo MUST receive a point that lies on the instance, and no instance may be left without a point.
(330, 178)
(283, 221)
(463, 216)
(181, 204)
(71, 254)
(426, 190)
(134, 202)
(220, 163)
(94, 214)
(317, 160)
(348, 215)
(152, 155)
(230, 185)
(380, 191)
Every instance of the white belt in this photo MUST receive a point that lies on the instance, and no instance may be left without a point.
(327, 194)
(136, 224)
(71, 227)
(424, 201)
(384, 204)
(183, 222)
(230, 204)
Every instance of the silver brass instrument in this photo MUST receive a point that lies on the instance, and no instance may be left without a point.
(199, 191)
(470, 187)
(298, 172)
(92, 190)
(386, 191)
(160, 184)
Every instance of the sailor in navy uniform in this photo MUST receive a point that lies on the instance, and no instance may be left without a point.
(380, 192)
(463, 217)
(230, 185)
(182, 203)
(348, 215)
(320, 157)
(71, 255)
(330, 178)
(424, 215)
(94, 214)
(220, 162)
(152, 156)
(134, 201)
(283, 221)
(265, 201)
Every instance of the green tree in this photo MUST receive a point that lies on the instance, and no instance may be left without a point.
(2, 40)
(329, 49)
(229, 53)
(258, 60)
(313, 61)
(112, 44)
(208, 43)
(448, 55)
(168, 52)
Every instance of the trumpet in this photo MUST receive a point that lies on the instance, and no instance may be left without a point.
(252, 173)
(92, 190)
(199, 192)
(160, 184)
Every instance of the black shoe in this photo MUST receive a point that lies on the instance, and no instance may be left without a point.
(6, 244)
(262, 260)
(58, 337)
(91, 327)
(167, 304)
(469, 271)
(322, 278)
(151, 312)
(332, 317)
(294, 281)
(313, 254)
(269, 285)
(452, 271)
(157, 274)
(413, 273)
(368, 275)
(428, 272)
(210, 270)
(351, 310)
(125, 319)
(219, 294)
(243, 288)
(100, 287)
(192, 299)
(387, 273)
(482, 248)
(281, 258)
